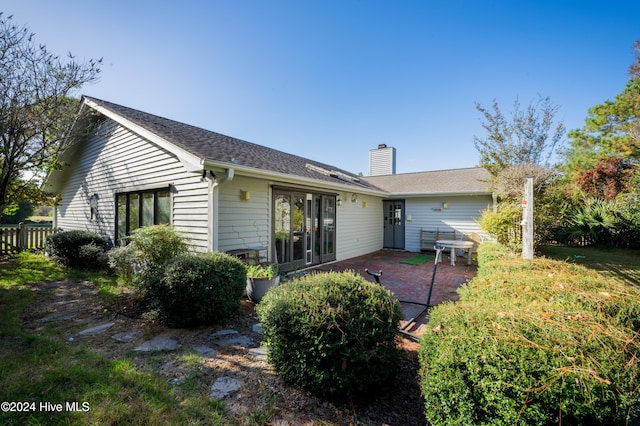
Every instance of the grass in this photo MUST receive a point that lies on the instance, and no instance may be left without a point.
(418, 259)
(40, 367)
(621, 265)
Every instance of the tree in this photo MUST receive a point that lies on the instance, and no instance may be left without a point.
(36, 109)
(608, 178)
(612, 129)
(529, 137)
(18, 214)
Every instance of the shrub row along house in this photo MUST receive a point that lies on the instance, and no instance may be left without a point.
(125, 169)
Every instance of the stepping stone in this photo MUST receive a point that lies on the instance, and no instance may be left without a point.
(224, 387)
(205, 351)
(260, 353)
(224, 333)
(59, 316)
(125, 336)
(158, 343)
(97, 329)
(241, 341)
(66, 302)
(231, 338)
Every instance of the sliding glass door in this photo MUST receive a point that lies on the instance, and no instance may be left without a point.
(304, 228)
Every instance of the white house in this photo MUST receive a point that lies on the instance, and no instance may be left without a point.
(125, 168)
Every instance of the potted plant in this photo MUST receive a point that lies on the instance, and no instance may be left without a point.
(260, 278)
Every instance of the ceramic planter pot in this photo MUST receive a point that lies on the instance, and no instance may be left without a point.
(258, 287)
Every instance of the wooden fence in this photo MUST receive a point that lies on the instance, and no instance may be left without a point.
(24, 236)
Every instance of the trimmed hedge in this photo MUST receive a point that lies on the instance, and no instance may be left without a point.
(82, 249)
(332, 333)
(536, 342)
(198, 289)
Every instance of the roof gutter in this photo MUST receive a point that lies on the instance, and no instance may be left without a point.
(226, 178)
(437, 194)
(291, 179)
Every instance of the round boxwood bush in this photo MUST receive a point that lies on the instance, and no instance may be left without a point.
(536, 342)
(198, 289)
(69, 248)
(332, 333)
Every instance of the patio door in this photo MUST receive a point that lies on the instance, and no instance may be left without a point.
(393, 224)
(304, 232)
(324, 232)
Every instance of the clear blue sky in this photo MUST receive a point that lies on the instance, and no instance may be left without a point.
(330, 80)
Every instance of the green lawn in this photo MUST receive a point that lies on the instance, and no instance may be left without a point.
(623, 265)
(40, 368)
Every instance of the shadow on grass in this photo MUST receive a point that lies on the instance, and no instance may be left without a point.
(622, 265)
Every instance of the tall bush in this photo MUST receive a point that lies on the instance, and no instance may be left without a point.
(534, 343)
(503, 223)
(198, 289)
(154, 247)
(333, 333)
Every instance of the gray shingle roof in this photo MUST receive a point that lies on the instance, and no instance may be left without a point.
(456, 181)
(209, 145)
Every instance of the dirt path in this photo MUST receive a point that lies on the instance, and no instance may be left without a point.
(74, 306)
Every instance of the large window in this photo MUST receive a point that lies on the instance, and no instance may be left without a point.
(141, 208)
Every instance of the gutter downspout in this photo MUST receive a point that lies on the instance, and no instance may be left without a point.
(214, 198)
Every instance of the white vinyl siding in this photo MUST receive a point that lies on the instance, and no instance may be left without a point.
(462, 214)
(358, 228)
(244, 223)
(115, 160)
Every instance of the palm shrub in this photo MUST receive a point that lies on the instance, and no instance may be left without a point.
(533, 342)
(198, 289)
(332, 333)
(594, 223)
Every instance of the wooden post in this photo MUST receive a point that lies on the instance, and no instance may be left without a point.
(527, 220)
(22, 236)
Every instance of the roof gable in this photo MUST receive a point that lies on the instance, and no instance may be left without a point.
(209, 146)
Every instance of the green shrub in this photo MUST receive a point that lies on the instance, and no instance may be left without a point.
(68, 248)
(93, 257)
(503, 224)
(533, 342)
(154, 247)
(332, 333)
(198, 289)
(122, 261)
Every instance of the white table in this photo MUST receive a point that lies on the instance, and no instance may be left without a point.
(455, 245)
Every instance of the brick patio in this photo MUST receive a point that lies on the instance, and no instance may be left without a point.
(410, 282)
